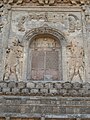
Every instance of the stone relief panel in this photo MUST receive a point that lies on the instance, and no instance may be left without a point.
(14, 61)
(69, 23)
(46, 2)
(74, 23)
(76, 61)
(66, 22)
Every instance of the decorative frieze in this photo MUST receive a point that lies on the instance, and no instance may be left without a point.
(45, 89)
(46, 2)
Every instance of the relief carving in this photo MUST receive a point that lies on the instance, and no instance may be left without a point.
(21, 24)
(47, 2)
(76, 61)
(87, 16)
(14, 61)
(74, 23)
(1, 14)
(1, 24)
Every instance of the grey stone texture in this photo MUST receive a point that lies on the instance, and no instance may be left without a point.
(54, 35)
(25, 106)
(43, 88)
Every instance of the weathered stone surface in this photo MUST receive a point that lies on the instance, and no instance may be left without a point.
(6, 90)
(63, 92)
(48, 85)
(12, 84)
(25, 91)
(86, 86)
(44, 91)
(73, 93)
(21, 84)
(77, 86)
(67, 85)
(58, 85)
(44, 59)
(34, 91)
(53, 91)
(15, 90)
(30, 85)
(39, 85)
(3, 84)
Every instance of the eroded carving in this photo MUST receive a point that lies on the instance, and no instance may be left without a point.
(21, 24)
(76, 61)
(1, 24)
(47, 2)
(14, 60)
(74, 23)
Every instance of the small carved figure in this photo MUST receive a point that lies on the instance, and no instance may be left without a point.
(76, 61)
(13, 61)
(72, 24)
(21, 24)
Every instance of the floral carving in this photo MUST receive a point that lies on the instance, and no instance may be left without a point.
(48, 2)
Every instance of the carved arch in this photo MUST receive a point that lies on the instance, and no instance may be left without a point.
(42, 31)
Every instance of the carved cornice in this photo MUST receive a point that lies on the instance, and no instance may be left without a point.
(45, 2)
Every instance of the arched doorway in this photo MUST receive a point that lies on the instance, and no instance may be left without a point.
(44, 61)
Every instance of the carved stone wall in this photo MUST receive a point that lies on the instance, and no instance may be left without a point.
(68, 24)
(45, 59)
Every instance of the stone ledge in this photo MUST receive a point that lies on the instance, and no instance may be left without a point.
(45, 88)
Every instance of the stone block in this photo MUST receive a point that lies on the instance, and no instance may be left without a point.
(6, 90)
(62, 92)
(39, 85)
(12, 84)
(30, 85)
(34, 91)
(67, 85)
(3, 84)
(73, 93)
(25, 91)
(58, 85)
(15, 90)
(48, 85)
(21, 84)
(53, 91)
(85, 93)
(44, 91)
(86, 86)
(77, 85)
